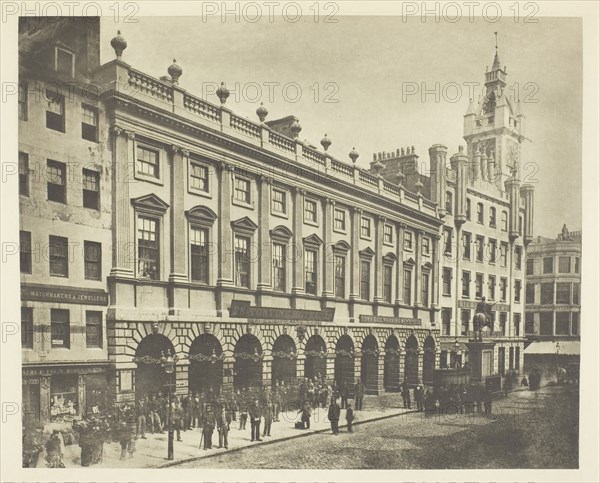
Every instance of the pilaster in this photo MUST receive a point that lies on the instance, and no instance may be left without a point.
(264, 239)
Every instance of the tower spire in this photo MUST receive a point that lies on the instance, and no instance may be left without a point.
(496, 64)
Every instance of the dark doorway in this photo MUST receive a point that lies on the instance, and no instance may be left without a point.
(369, 364)
(428, 360)
(283, 367)
(150, 377)
(344, 362)
(206, 365)
(391, 367)
(411, 361)
(315, 363)
(248, 366)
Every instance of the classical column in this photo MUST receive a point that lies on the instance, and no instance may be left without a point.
(44, 397)
(435, 271)
(378, 275)
(81, 394)
(225, 265)
(264, 239)
(298, 218)
(380, 371)
(123, 165)
(328, 207)
(179, 158)
(399, 267)
(354, 256)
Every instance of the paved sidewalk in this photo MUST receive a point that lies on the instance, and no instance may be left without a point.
(152, 452)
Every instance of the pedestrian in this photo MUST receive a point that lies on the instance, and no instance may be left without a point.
(140, 412)
(418, 393)
(243, 413)
(359, 392)
(254, 411)
(155, 421)
(334, 416)
(223, 419)
(344, 393)
(187, 411)
(487, 402)
(176, 417)
(349, 418)
(268, 417)
(54, 453)
(524, 381)
(306, 413)
(208, 426)
(405, 395)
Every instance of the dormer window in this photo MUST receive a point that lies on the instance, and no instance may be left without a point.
(64, 62)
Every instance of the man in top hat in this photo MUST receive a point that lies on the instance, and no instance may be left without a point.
(223, 419)
(254, 412)
(208, 426)
(334, 416)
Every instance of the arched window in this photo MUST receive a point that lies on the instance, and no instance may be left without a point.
(448, 202)
(504, 221)
(480, 213)
(492, 217)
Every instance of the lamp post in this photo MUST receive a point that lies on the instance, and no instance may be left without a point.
(456, 359)
(168, 363)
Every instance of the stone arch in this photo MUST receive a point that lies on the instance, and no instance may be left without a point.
(391, 364)
(315, 361)
(411, 360)
(248, 366)
(205, 372)
(369, 364)
(150, 377)
(283, 366)
(344, 361)
(429, 348)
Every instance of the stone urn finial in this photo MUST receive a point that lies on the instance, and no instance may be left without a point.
(325, 142)
(222, 93)
(175, 72)
(296, 128)
(119, 44)
(353, 155)
(262, 112)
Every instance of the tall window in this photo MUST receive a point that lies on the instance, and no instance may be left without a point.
(447, 281)
(23, 107)
(59, 256)
(448, 202)
(575, 323)
(310, 271)
(518, 257)
(548, 264)
(562, 323)
(503, 323)
(504, 221)
(468, 209)
(25, 251)
(517, 324)
(199, 254)
(339, 220)
(501, 360)
(546, 323)
(564, 264)
(56, 181)
(517, 291)
(279, 201)
(407, 290)
(448, 241)
(93, 328)
(530, 266)
(547, 297)
(89, 123)
(242, 190)
(64, 62)
(493, 246)
(148, 248)
(492, 287)
(425, 289)
(340, 276)
(576, 294)
(408, 240)
(365, 227)
(503, 289)
(480, 248)
(310, 211)
(466, 284)
(147, 162)
(425, 245)
(365, 279)
(279, 267)
(446, 321)
(563, 293)
(480, 213)
(466, 239)
(23, 174)
(576, 264)
(465, 319)
(91, 189)
(478, 285)
(93, 260)
(242, 261)
(55, 111)
(503, 254)
(388, 234)
(530, 293)
(27, 327)
(199, 177)
(492, 217)
(529, 323)
(387, 283)
(60, 330)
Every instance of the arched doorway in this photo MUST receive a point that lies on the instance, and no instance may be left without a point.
(150, 377)
(391, 365)
(248, 366)
(411, 361)
(428, 360)
(369, 364)
(206, 365)
(283, 367)
(315, 363)
(344, 362)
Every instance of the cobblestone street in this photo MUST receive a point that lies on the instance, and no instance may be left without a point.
(527, 430)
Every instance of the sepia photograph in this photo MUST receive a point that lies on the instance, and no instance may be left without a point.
(299, 236)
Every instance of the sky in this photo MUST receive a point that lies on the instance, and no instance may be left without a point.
(361, 81)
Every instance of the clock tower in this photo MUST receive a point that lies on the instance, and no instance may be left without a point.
(494, 130)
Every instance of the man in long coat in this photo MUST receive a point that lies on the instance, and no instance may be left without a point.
(359, 392)
(334, 416)
(255, 413)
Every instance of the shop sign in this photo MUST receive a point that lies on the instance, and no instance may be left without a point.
(68, 295)
(381, 319)
(242, 309)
